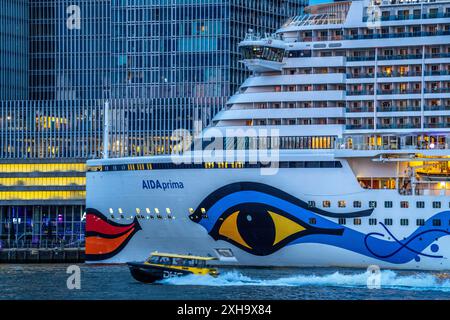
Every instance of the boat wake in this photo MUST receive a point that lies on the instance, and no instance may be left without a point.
(389, 280)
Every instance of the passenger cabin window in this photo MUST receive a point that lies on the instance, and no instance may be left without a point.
(436, 204)
(357, 221)
(372, 204)
(326, 204)
(388, 222)
(388, 204)
(436, 222)
(311, 204)
(342, 221)
(312, 221)
(341, 204)
(420, 222)
(372, 221)
(356, 204)
(404, 204)
(420, 204)
(404, 222)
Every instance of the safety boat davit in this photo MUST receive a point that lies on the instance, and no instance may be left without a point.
(161, 266)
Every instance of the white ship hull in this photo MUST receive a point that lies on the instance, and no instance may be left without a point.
(305, 242)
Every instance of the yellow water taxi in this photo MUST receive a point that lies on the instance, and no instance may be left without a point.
(161, 266)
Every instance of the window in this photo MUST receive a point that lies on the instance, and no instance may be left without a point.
(404, 222)
(404, 204)
(311, 204)
(436, 222)
(372, 221)
(388, 222)
(356, 204)
(436, 204)
(312, 220)
(341, 203)
(420, 222)
(326, 204)
(420, 204)
(388, 204)
(357, 221)
(342, 221)
(372, 204)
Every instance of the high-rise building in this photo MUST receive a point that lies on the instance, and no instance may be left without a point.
(14, 49)
(162, 65)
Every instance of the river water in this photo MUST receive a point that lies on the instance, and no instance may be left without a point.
(115, 282)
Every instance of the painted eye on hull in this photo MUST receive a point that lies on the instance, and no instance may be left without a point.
(260, 229)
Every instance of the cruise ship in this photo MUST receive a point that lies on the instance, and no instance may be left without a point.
(334, 152)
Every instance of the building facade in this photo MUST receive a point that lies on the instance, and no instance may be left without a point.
(162, 65)
(14, 49)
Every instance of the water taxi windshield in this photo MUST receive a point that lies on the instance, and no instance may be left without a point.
(177, 261)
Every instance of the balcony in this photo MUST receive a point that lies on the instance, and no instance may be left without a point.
(358, 109)
(397, 35)
(399, 109)
(437, 90)
(398, 74)
(359, 93)
(368, 58)
(359, 127)
(398, 126)
(437, 73)
(437, 108)
(399, 57)
(437, 55)
(360, 75)
(412, 16)
(395, 91)
(438, 125)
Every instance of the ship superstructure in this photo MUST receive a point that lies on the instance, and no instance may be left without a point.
(355, 99)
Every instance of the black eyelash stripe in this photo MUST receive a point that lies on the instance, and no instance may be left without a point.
(215, 196)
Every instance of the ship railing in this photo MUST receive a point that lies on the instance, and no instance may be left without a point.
(8, 243)
(316, 19)
(392, 146)
(411, 16)
(251, 36)
(429, 189)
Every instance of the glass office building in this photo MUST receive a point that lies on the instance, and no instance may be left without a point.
(13, 49)
(162, 65)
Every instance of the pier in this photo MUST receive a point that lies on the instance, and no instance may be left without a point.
(55, 255)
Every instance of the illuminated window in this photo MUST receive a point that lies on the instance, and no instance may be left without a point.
(147, 210)
(357, 221)
(326, 204)
(404, 204)
(341, 204)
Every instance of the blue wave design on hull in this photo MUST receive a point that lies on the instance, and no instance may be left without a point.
(373, 245)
